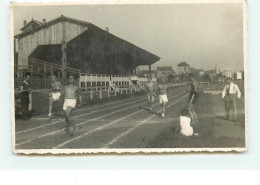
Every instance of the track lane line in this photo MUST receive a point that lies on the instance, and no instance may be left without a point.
(82, 123)
(136, 126)
(101, 127)
(59, 121)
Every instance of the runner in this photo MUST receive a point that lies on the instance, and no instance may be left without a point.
(163, 89)
(71, 93)
(55, 93)
(150, 89)
(193, 99)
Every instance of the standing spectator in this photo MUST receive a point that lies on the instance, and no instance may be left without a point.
(194, 94)
(25, 99)
(230, 94)
(55, 93)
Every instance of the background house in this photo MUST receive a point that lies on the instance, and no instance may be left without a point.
(164, 72)
(183, 67)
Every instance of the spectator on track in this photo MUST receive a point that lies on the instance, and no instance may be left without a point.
(71, 94)
(55, 93)
(231, 93)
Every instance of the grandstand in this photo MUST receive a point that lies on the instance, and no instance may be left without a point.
(66, 46)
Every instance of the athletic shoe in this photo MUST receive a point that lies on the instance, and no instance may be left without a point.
(49, 115)
(162, 115)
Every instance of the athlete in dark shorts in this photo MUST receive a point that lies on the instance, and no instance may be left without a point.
(193, 99)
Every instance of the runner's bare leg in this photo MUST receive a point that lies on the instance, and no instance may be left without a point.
(69, 121)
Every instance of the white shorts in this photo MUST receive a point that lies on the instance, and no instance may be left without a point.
(163, 98)
(69, 103)
(55, 95)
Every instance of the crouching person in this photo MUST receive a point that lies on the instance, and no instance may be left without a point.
(185, 121)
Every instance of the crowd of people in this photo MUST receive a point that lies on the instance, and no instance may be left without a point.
(71, 96)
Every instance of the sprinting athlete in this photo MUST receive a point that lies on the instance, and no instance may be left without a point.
(150, 90)
(163, 90)
(55, 93)
(71, 94)
(194, 94)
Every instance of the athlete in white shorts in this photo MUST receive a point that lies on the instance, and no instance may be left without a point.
(71, 93)
(163, 89)
(55, 93)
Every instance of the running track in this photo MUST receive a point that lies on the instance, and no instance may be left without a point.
(122, 123)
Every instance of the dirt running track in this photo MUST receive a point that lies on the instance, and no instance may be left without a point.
(123, 123)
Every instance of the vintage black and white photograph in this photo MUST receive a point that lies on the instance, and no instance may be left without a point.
(129, 78)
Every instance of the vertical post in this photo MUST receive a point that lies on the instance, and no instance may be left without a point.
(44, 74)
(100, 93)
(51, 70)
(64, 59)
(150, 70)
(30, 99)
(91, 94)
(108, 92)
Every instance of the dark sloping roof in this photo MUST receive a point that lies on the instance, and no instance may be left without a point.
(124, 50)
(183, 64)
(49, 53)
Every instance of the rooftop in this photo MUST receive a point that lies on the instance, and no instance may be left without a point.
(183, 64)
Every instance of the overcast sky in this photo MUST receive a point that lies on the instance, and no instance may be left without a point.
(203, 35)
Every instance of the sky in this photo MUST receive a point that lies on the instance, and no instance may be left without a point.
(203, 35)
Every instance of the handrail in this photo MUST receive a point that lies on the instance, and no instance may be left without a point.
(52, 64)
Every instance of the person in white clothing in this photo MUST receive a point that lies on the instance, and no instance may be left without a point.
(230, 94)
(55, 93)
(163, 99)
(185, 122)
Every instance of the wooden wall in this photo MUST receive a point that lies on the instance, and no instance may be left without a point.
(48, 35)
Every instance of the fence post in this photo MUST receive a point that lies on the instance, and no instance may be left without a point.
(44, 69)
(100, 93)
(108, 92)
(91, 94)
(30, 99)
(51, 70)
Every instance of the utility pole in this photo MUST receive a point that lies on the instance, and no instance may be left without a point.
(64, 53)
